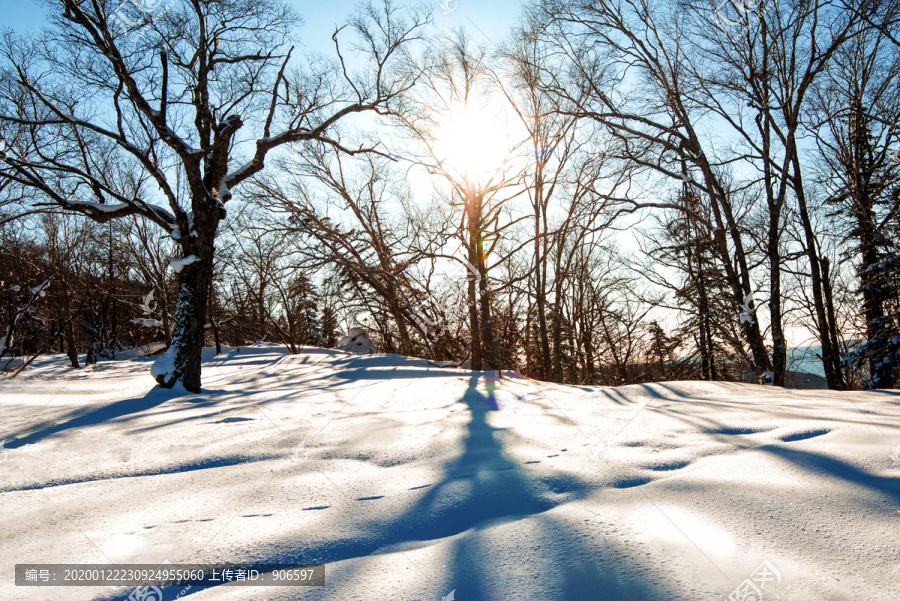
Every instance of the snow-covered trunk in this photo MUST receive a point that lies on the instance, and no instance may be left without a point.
(181, 363)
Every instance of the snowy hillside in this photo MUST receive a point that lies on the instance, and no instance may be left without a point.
(415, 482)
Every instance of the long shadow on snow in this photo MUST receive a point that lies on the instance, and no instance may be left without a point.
(814, 462)
(119, 409)
(157, 396)
(482, 487)
(811, 462)
(355, 370)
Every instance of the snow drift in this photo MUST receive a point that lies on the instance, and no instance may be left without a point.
(407, 482)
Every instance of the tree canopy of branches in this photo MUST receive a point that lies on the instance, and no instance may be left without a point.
(165, 120)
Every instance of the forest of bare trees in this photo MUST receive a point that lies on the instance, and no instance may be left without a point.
(622, 191)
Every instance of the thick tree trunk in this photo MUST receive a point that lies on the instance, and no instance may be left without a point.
(540, 272)
(489, 345)
(473, 324)
(181, 363)
(779, 344)
(707, 350)
(556, 373)
(406, 347)
(775, 204)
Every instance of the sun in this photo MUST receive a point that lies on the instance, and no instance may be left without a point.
(473, 141)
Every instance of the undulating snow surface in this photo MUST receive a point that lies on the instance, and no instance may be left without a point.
(414, 482)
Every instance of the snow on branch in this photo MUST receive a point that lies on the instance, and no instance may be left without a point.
(179, 264)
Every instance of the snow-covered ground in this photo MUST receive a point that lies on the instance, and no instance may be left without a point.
(415, 482)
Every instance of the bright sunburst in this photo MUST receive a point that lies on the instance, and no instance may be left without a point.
(473, 141)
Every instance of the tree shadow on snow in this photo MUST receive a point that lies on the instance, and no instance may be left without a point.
(817, 463)
(481, 488)
(105, 414)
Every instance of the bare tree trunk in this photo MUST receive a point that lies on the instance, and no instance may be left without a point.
(588, 343)
(556, 372)
(214, 325)
(473, 219)
(540, 278)
(873, 307)
(738, 280)
(488, 344)
(832, 321)
(71, 349)
(825, 325)
(779, 344)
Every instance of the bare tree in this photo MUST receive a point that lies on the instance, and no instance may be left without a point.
(349, 217)
(855, 118)
(164, 129)
(659, 74)
(457, 84)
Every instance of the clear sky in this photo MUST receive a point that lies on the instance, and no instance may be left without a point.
(487, 21)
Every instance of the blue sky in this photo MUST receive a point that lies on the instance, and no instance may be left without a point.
(486, 21)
